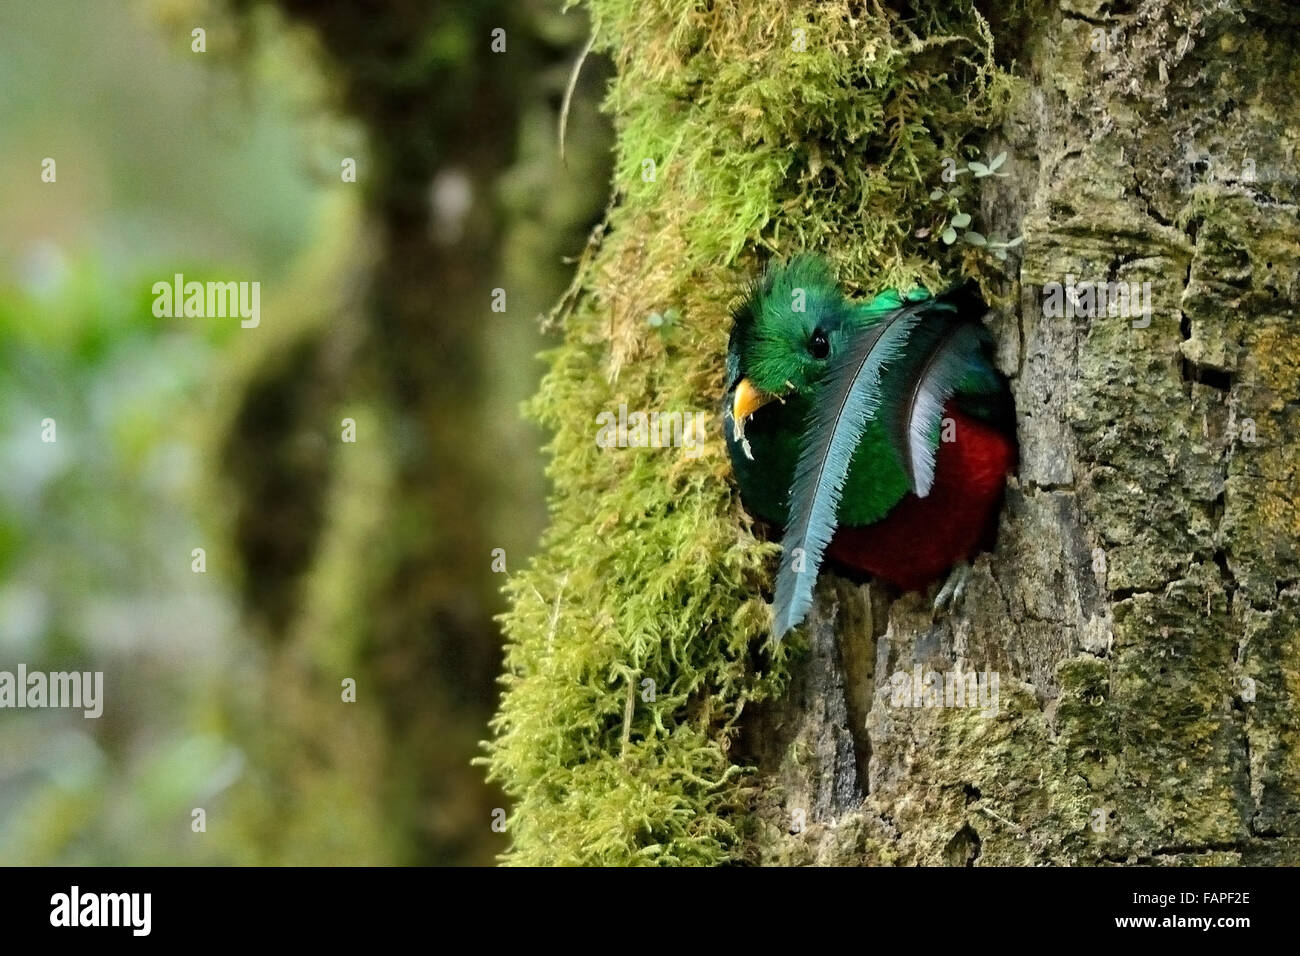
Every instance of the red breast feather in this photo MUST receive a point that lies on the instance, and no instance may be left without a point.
(922, 538)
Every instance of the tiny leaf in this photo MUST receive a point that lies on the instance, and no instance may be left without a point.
(975, 239)
(979, 169)
(961, 220)
(949, 236)
(937, 194)
(998, 160)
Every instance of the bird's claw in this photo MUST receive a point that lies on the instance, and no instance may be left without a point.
(953, 590)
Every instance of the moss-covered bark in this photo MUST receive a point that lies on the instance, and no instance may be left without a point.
(1141, 607)
(741, 127)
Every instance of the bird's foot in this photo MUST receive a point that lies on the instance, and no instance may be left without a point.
(953, 590)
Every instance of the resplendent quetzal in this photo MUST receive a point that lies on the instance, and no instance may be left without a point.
(876, 433)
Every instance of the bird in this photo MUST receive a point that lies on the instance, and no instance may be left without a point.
(877, 433)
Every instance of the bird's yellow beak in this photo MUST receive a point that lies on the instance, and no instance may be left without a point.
(748, 400)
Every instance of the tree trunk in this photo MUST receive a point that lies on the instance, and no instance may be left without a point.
(374, 561)
(1141, 611)
(1141, 606)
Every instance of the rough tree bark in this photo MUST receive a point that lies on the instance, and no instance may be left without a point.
(1142, 606)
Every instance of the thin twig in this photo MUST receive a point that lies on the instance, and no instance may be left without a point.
(1003, 820)
(568, 92)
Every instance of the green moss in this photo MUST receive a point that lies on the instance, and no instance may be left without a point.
(650, 569)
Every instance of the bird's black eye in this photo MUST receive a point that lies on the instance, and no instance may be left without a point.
(819, 345)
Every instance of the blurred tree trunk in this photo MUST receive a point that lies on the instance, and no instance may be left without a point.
(1142, 608)
(443, 472)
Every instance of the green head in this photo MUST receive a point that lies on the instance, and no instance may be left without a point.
(790, 327)
(784, 333)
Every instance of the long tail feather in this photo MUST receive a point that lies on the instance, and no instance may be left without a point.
(847, 399)
(940, 352)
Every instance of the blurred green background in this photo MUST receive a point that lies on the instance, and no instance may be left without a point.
(325, 560)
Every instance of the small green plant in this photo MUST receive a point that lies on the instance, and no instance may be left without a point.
(958, 223)
(663, 322)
